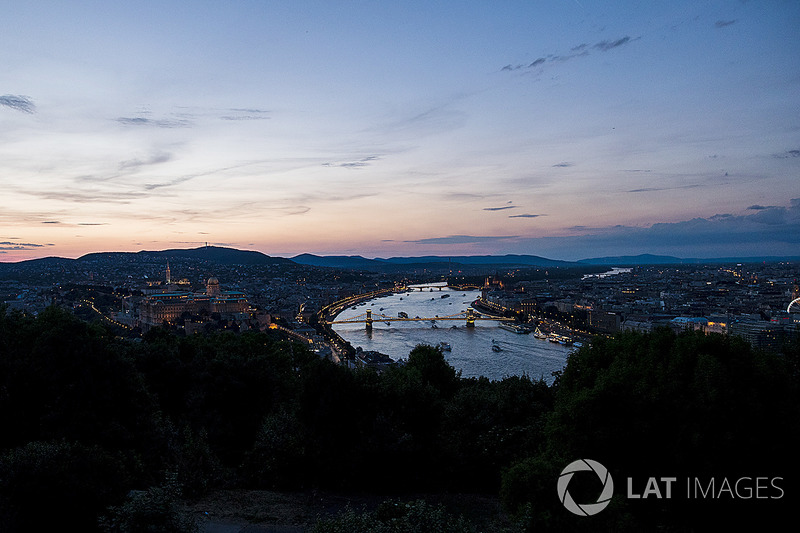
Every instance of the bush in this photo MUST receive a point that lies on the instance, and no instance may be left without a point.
(57, 486)
(396, 517)
(150, 511)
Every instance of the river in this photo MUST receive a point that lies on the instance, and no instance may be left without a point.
(471, 353)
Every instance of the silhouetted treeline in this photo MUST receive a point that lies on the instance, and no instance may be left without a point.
(85, 417)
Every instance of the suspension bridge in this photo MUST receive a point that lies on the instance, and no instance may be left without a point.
(469, 317)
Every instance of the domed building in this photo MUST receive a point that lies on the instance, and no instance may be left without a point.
(212, 287)
(170, 306)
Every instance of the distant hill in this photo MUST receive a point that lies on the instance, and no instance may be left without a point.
(336, 261)
(216, 254)
(650, 259)
(508, 259)
(395, 263)
(642, 259)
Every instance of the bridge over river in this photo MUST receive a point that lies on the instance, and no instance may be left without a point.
(469, 317)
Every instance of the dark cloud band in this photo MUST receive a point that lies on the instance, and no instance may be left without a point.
(18, 103)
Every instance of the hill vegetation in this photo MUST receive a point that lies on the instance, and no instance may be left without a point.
(88, 417)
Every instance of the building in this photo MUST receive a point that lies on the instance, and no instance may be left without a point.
(170, 307)
(762, 334)
(604, 321)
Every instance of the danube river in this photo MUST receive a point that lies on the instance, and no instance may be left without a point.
(471, 348)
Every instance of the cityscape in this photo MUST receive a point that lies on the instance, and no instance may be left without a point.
(456, 266)
(757, 301)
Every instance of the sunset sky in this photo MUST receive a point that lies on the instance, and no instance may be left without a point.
(567, 129)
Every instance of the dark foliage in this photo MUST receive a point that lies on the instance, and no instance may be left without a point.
(87, 417)
(661, 404)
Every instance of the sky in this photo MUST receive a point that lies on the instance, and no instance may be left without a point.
(562, 128)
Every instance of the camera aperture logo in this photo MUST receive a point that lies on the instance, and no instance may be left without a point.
(714, 488)
(585, 509)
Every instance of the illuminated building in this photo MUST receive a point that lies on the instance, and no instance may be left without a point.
(170, 307)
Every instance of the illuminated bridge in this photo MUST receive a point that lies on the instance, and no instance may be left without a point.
(469, 316)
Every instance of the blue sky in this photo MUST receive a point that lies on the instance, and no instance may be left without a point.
(567, 129)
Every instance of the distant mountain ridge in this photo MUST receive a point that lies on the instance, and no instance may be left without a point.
(650, 259)
(217, 254)
(233, 256)
(335, 261)
(357, 261)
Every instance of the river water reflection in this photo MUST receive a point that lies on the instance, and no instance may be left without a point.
(471, 348)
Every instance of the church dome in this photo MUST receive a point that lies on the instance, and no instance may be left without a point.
(212, 287)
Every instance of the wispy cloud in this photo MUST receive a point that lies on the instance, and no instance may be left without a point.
(245, 114)
(243, 117)
(84, 196)
(525, 215)
(154, 159)
(724, 23)
(500, 208)
(462, 239)
(787, 154)
(8, 245)
(18, 102)
(156, 123)
(191, 113)
(605, 46)
(170, 183)
(363, 162)
(653, 189)
(564, 164)
(581, 50)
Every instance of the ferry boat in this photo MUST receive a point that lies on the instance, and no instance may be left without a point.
(444, 296)
(495, 347)
(445, 346)
(514, 328)
(402, 314)
(554, 337)
(539, 334)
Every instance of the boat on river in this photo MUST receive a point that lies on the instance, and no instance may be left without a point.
(514, 328)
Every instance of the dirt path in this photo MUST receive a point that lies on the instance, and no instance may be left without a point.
(243, 511)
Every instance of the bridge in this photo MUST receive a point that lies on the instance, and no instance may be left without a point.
(469, 316)
(430, 286)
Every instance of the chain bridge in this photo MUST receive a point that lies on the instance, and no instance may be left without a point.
(469, 317)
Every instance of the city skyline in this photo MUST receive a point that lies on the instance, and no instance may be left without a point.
(564, 129)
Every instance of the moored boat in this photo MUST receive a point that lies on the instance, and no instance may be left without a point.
(515, 328)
